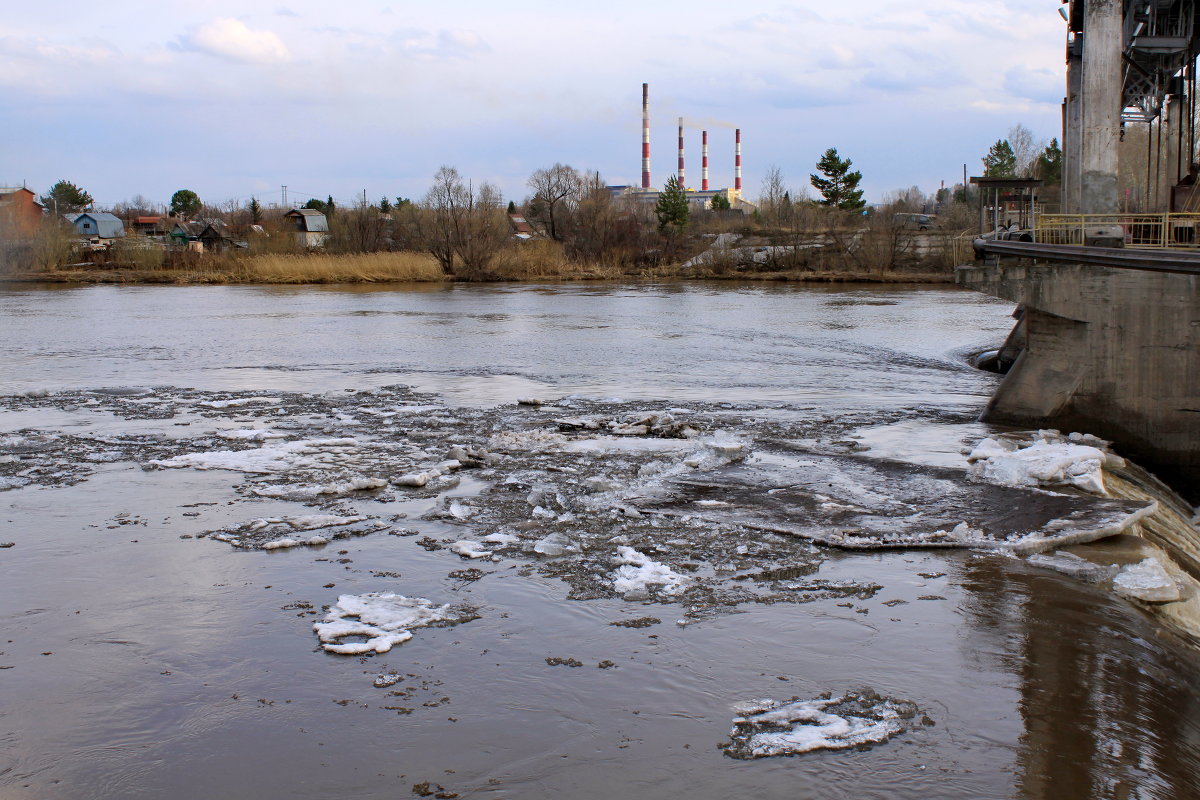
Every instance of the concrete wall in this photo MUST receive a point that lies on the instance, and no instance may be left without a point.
(1113, 352)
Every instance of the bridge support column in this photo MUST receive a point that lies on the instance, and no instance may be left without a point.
(1073, 131)
(1103, 84)
(1105, 351)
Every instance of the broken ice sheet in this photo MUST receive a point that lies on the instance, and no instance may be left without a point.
(381, 620)
(862, 718)
(857, 502)
(272, 533)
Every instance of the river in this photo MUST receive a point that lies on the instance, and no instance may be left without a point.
(616, 568)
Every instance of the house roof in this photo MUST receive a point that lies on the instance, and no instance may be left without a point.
(215, 229)
(309, 219)
(146, 220)
(107, 225)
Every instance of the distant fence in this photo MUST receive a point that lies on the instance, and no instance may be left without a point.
(1142, 231)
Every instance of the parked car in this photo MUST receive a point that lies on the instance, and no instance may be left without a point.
(919, 222)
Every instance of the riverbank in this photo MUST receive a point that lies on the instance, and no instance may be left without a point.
(385, 268)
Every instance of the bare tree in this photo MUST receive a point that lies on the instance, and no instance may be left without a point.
(463, 229)
(773, 195)
(1025, 148)
(440, 220)
(556, 192)
(484, 231)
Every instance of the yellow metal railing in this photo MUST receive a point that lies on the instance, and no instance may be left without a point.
(1142, 231)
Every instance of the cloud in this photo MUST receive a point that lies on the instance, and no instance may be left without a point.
(230, 39)
(284, 11)
(1040, 85)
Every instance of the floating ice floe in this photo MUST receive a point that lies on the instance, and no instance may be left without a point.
(417, 479)
(638, 573)
(266, 460)
(250, 435)
(1074, 566)
(288, 492)
(383, 620)
(240, 401)
(279, 544)
(555, 544)
(1147, 581)
(273, 533)
(469, 549)
(772, 728)
(1045, 459)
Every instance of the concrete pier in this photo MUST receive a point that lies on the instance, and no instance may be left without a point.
(1108, 351)
(1102, 100)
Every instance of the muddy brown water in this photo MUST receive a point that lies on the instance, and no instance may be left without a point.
(137, 663)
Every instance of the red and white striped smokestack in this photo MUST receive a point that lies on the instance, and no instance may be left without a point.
(645, 136)
(737, 161)
(704, 161)
(681, 181)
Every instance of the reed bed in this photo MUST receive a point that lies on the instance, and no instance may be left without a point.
(343, 268)
(542, 259)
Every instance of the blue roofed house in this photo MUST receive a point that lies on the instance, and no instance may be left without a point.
(99, 227)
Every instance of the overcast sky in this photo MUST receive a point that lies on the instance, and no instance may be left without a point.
(233, 99)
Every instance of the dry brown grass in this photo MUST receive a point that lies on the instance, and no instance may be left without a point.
(542, 259)
(328, 268)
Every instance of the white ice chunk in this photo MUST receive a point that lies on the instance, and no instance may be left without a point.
(271, 458)
(241, 401)
(501, 538)
(770, 728)
(250, 435)
(308, 492)
(638, 572)
(554, 545)
(383, 618)
(1048, 461)
(279, 544)
(1147, 581)
(417, 479)
(469, 549)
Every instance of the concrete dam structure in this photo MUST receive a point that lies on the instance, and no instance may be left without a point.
(1108, 350)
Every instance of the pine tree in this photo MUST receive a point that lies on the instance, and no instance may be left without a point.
(672, 208)
(385, 205)
(255, 211)
(1048, 166)
(839, 187)
(720, 202)
(65, 197)
(1000, 161)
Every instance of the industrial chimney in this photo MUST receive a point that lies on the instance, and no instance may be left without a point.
(645, 136)
(737, 161)
(704, 160)
(681, 181)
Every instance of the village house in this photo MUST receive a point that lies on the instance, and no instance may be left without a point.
(20, 213)
(312, 227)
(98, 227)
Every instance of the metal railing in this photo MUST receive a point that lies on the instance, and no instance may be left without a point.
(1183, 262)
(1142, 231)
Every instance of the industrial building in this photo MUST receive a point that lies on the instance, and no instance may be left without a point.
(697, 199)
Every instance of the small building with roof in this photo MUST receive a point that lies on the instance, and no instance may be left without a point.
(311, 226)
(20, 213)
(97, 226)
